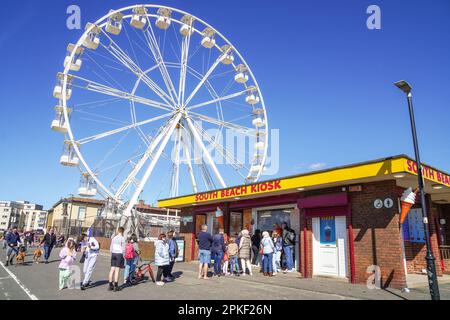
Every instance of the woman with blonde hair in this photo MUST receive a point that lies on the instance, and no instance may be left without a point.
(245, 248)
(68, 255)
(267, 248)
(277, 241)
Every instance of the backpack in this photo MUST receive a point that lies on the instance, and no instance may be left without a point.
(129, 251)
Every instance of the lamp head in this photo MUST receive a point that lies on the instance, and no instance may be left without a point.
(404, 86)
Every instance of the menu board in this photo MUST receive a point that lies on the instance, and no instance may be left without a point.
(180, 244)
(416, 226)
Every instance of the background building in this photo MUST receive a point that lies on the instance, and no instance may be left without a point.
(22, 214)
(9, 214)
(72, 216)
(33, 217)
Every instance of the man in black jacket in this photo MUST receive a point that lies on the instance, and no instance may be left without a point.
(49, 242)
(288, 246)
(12, 239)
(173, 251)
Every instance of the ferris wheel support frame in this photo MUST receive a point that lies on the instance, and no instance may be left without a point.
(150, 168)
(205, 152)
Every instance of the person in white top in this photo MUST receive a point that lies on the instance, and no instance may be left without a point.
(90, 248)
(117, 250)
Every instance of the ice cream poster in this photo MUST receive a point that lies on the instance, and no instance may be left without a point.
(327, 230)
(416, 227)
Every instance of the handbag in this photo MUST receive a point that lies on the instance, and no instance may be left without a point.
(225, 256)
(83, 257)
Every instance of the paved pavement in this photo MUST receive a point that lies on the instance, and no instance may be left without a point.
(40, 281)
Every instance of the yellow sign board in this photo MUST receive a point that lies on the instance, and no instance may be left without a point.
(428, 173)
(349, 173)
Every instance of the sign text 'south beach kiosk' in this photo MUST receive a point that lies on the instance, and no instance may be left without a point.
(359, 203)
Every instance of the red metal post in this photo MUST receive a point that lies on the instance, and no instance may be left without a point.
(352, 254)
(305, 247)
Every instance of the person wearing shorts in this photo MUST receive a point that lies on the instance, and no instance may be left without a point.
(204, 255)
(117, 250)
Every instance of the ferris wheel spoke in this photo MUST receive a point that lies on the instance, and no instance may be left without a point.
(225, 153)
(125, 59)
(200, 143)
(206, 76)
(230, 96)
(184, 60)
(154, 48)
(109, 91)
(148, 172)
(119, 130)
(176, 165)
(187, 155)
(197, 75)
(242, 129)
(206, 176)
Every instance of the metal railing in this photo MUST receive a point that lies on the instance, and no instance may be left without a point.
(445, 252)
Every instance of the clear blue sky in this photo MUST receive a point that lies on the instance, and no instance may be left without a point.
(327, 81)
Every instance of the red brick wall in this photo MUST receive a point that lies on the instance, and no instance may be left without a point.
(377, 238)
(147, 248)
(308, 273)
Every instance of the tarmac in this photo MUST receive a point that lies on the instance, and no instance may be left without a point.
(40, 282)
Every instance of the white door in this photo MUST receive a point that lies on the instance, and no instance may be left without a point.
(329, 246)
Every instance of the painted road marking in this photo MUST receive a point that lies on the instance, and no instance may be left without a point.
(25, 289)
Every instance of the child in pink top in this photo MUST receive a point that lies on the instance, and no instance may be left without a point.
(68, 256)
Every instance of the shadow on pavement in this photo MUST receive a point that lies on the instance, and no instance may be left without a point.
(394, 294)
(98, 284)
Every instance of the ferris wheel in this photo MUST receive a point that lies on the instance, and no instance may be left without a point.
(149, 90)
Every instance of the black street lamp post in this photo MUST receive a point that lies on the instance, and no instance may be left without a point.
(431, 265)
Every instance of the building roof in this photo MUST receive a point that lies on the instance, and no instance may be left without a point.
(369, 171)
(79, 200)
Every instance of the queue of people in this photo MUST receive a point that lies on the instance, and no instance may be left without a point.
(233, 256)
(272, 250)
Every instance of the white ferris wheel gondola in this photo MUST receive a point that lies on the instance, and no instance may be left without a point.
(252, 97)
(241, 74)
(69, 157)
(228, 57)
(163, 21)
(114, 25)
(59, 122)
(92, 39)
(75, 62)
(187, 28)
(139, 17)
(88, 186)
(208, 40)
(58, 90)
